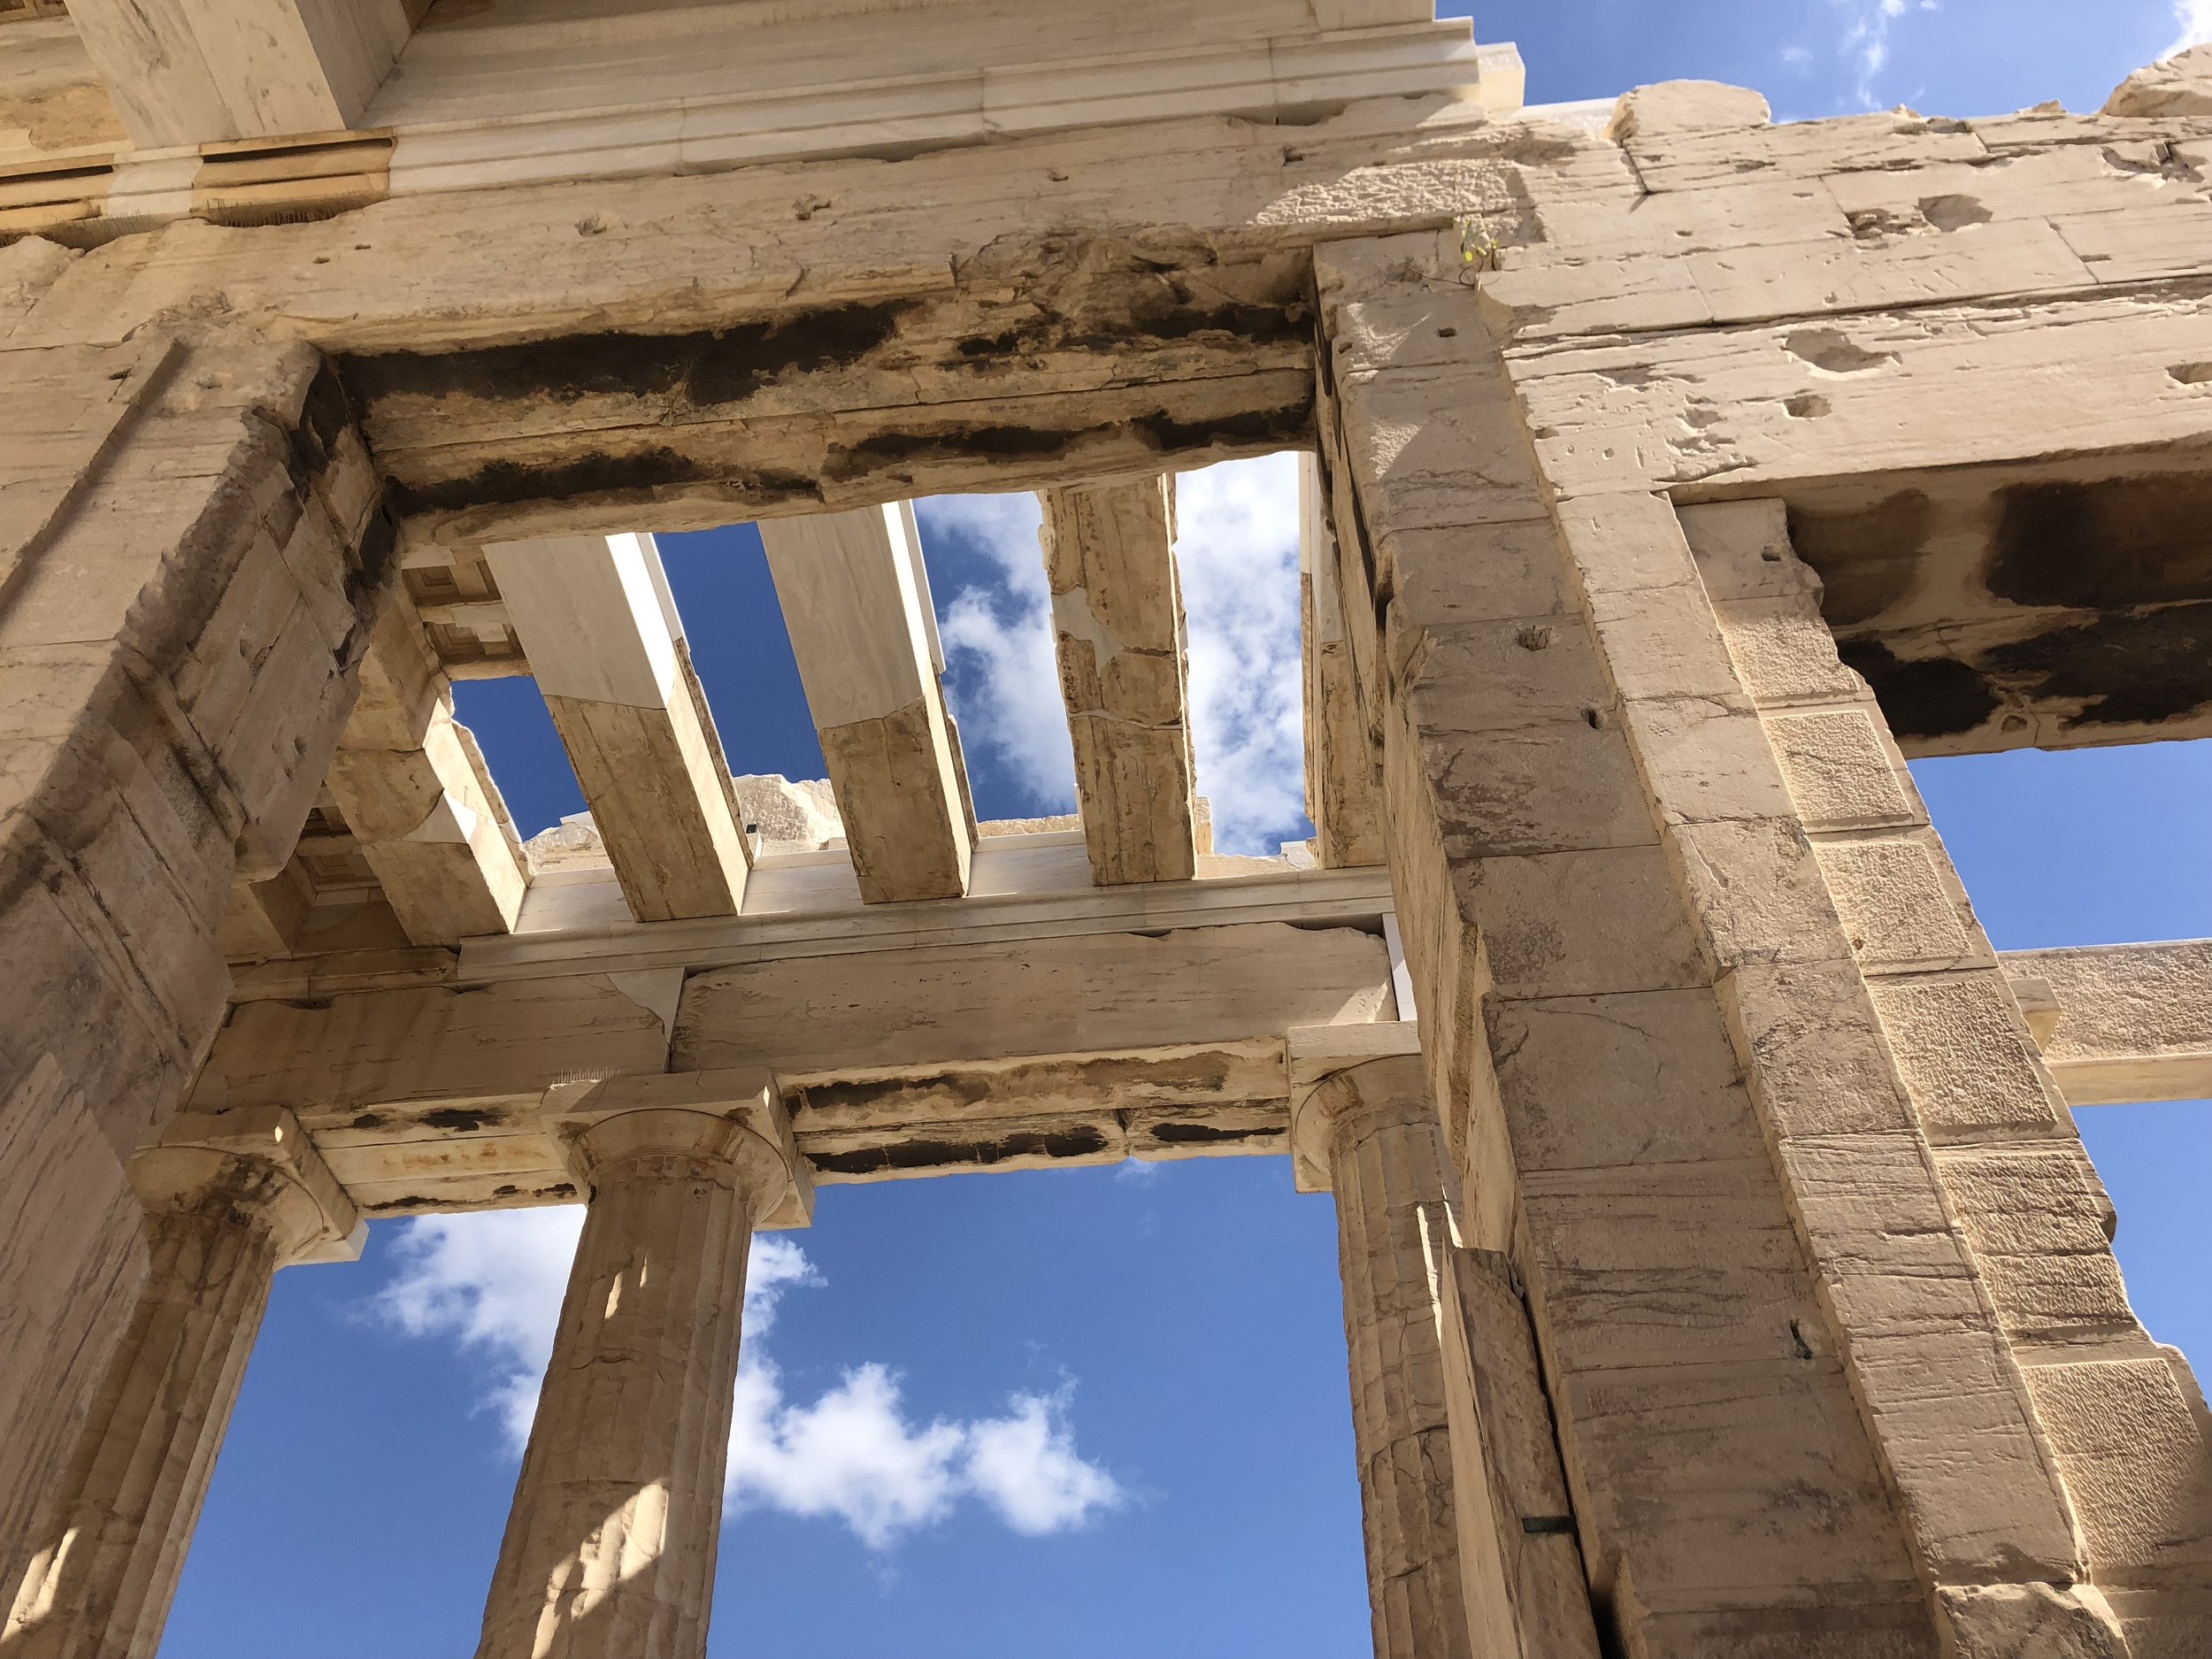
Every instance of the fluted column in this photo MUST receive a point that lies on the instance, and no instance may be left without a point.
(1391, 1177)
(228, 1201)
(610, 1549)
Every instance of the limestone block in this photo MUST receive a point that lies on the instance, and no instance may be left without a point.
(1662, 642)
(2042, 1228)
(1895, 907)
(1486, 677)
(1683, 1469)
(2132, 1025)
(1531, 788)
(2043, 1620)
(1839, 771)
(1757, 893)
(1966, 1054)
(2179, 85)
(1706, 760)
(1622, 1080)
(1685, 106)
(1439, 447)
(1655, 1265)
(1811, 1049)
(2137, 1466)
(1480, 573)
(1581, 924)
(1520, 1568)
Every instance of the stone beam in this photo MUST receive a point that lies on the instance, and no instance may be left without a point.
(418, 796)
(1084, 1048)
(596, 621)
(185, 74)
(2120, 1024)
(855, 601)
(1118, 626)
(1343, 774)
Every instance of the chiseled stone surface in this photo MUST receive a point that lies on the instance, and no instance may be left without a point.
(220, 1220)
(610, 1548)
(1748, 1314)
(177, 661)
(1394, 1183)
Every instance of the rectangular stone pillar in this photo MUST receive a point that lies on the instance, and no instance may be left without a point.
(190, 555)
(610, 1548)
(1788, 1381)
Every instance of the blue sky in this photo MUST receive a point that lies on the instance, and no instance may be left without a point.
(1104, 1412)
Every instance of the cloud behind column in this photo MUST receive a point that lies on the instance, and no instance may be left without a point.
(491, 1283)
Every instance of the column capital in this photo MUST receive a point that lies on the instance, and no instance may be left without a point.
(259, 1160)
(733, 1117)
(1334, 1069)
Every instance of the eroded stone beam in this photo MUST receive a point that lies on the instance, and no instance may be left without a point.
(2121, 1023)
(1343, 761)
(1085, 1048)
(601, 631)
(1118, 626)
(855, 601)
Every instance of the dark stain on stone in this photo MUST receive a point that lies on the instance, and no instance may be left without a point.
(1206, 1134)
(460, 1120)
(1937, 697)
(1866, 556)
(2109, 544)
(2140, 668)
(605, 475)
(705, 367)
(1074, 1142)
(368, 1120)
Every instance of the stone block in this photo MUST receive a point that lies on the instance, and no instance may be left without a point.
(1580, 924)
(1533, 788)
(1896, 908)
(1785, 652)
(1839, 769)
(2041, 1229)
(1965, 1054)
(1620, 1079)
(1663, 643)
(1812, 1050)
(1662, 1264)
(1706, 760)
(1757, 891)
(1478, 572)
(2137, 1466)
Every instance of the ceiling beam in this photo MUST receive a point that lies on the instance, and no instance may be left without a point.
(900, 1061)
(1343, 784)
(187, 72)
(855, 601)
(600, 629)
(1117, 629)
(417, 797)
(2121, 1024)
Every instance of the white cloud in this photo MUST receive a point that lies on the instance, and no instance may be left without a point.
(2195, 18)
(1237, 552)
(1237, 548)
(1003, 637)
(492, 1284)
(1866, 42)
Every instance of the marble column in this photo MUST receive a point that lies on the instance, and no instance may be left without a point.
(227, 1201)
(1393, 1179)
(610, 1549)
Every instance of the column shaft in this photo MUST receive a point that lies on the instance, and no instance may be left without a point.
(1392, 1181)
(104, 1561)
(610, 1549)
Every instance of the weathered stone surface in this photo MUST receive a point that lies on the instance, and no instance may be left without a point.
(2180, 85)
